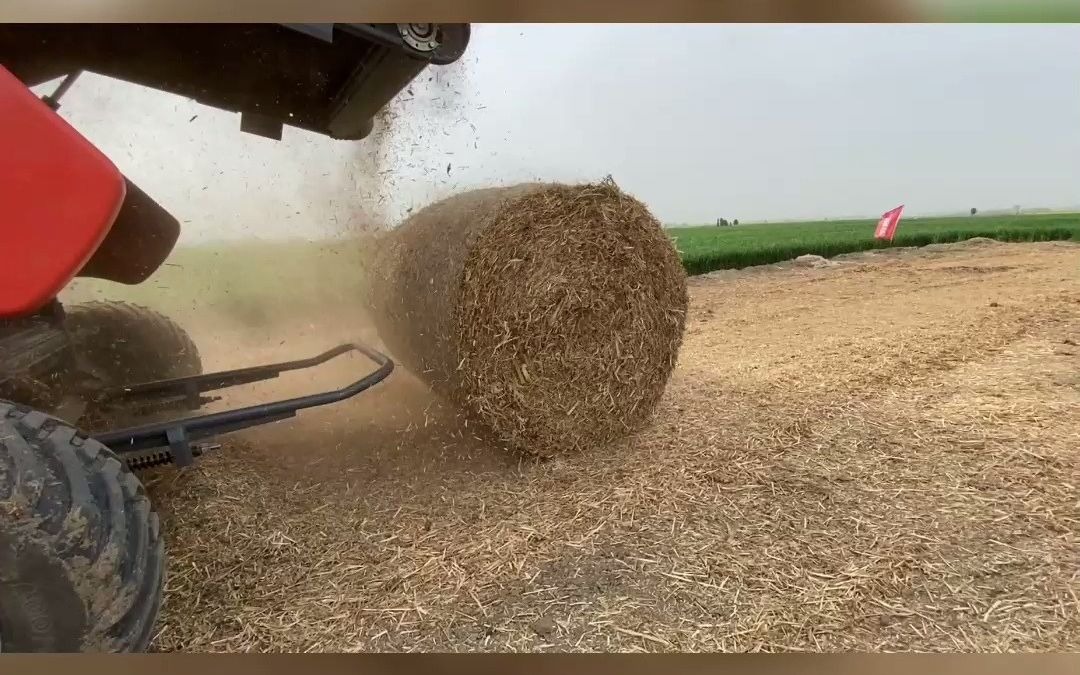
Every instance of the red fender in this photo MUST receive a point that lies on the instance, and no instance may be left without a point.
(59, 196)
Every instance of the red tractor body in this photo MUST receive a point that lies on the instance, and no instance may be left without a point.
(60, 195)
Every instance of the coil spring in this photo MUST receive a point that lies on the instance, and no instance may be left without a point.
(148, 459)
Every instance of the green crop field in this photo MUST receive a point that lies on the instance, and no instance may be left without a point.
(254, 282)
(257, 282)
(707, 248)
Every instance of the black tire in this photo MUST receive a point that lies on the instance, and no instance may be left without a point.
(124, 344)
(130, 343)
(82, 560)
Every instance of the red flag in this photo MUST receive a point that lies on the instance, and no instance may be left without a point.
(886, 227)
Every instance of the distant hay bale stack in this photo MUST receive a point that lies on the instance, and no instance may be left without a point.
(552, 314)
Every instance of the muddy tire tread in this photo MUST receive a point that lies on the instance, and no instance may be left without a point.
(82, 558)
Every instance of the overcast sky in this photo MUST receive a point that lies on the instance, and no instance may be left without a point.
(752, 122)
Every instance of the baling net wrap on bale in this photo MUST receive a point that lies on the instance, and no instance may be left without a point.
(552, 315)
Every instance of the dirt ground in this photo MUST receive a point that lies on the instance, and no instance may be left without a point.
(876, 454)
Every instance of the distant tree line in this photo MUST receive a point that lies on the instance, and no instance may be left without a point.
(724, 222)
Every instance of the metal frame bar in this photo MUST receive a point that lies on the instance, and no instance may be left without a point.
(228, 378)
(178, 435)
(53, 100)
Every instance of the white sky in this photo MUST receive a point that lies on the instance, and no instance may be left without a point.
(699, 121)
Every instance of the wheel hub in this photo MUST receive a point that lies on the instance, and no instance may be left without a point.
(423, 37)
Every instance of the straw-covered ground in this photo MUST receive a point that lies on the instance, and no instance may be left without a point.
(880, 454)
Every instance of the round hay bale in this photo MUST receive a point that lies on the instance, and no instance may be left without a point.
(551, 314)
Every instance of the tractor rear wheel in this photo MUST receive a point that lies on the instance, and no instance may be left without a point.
(82, 559)
(124, 343)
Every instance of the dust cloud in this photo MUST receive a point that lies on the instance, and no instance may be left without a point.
(269, 264)
(431, 113)
(401, 424)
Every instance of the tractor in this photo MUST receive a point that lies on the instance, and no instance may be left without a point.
(90, 394)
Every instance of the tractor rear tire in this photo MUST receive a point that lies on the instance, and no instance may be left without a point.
(132, 343)
(82, 560)
(126, 344)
